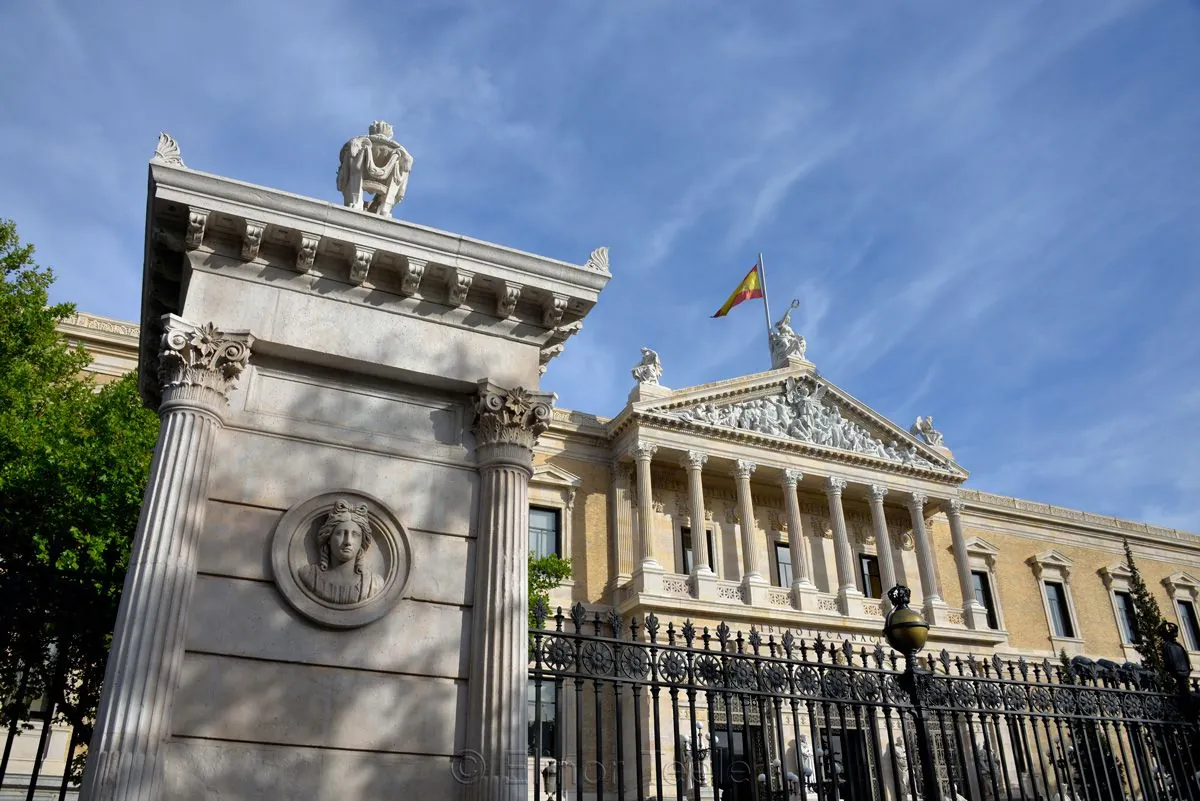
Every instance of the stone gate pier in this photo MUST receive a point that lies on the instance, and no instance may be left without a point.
(326, 595)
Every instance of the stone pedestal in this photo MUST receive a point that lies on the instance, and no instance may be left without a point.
(198, 366)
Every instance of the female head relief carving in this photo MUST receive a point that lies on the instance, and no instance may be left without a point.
(343, 540)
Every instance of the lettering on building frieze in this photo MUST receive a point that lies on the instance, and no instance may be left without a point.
(341, 559)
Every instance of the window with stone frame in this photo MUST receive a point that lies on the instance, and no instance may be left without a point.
(544, 532)
(869, 579)
(1184, 590)
(687, 553)
(1116, 578)
(783, 564)
(981, 560)
(552, 502)
(1053, 572)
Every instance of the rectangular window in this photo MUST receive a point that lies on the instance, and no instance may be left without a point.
(543, 724)
(543, 532)
(1126, 617)
(1060, 612)
(1191, 624)
(685, 536)
(868, 576)
(983, 594)
(783, 561)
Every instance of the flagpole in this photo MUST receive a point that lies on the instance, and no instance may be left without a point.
(762, 278)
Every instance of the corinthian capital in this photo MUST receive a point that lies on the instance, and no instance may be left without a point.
(200, 364)
(877, 492)
(644, 451)
(835, 485)
(694, 460)
(791, 477)
(955, 505)
(510, 416)
(744, 469)
(917, 501)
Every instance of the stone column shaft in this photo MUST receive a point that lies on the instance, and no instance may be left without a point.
(844, 554)
(623, 521)
(800, 572)
(930, 589)
(974, 613)
(694, 464)
(752, 568)
(508, 423)
(197, 368)
(883, 542)
(643, 452)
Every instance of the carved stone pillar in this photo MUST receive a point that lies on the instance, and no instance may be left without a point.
(974, 613)
(883, 542)
(849, 596)
(752, 570)
(198, 366)
(648, 574)
(508, 422)
(704, 579)
(622, 500)
(933, 606)
(803, 590)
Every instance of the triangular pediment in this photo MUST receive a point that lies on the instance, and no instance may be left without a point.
(798, 407)
(554, 475)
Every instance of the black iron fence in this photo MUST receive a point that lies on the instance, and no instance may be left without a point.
(632, 710)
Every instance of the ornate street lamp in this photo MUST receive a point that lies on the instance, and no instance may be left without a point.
(906, 631)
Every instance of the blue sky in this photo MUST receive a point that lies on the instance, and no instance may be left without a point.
(988, 211)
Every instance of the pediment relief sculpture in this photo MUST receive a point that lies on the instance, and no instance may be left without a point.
(341, 559)
(806, 414)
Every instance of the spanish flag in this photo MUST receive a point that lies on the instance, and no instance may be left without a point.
(750, 287)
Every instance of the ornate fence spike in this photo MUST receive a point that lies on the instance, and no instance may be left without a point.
(596, 622)
(558, 619)
(578, 613)
(772, 648)
(615, 623)
(670, 632)
(944, 657)
(723, 634)
(848, 650)
(689, 632)
(540, 610)
(864, 657)
(739, 642)
(878, 655)
(652, 626)
(803, 650)
(788, 642)
(819, 647)
(998, 664)
(634, 625)
(755, 639)
(1023, 667)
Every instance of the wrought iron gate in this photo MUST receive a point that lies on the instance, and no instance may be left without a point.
(644, 712)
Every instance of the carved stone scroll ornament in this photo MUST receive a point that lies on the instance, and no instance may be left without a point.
(167, 151)
(341, 559)
(598, 261)
(511, 416)
(649, 369)
(805, 414)
(200, 364)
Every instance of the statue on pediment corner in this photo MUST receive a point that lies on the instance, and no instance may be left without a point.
(786, 343)
(923, 429)
(649, 369)
(374, 163)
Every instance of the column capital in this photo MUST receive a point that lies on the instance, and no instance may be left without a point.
(877, 492)
(955, 506)
(643, 451)
(834, 485)
(199, 363)
(510, 416)
(694, 460)
(743, 469)
(916, 501)
(791, 477)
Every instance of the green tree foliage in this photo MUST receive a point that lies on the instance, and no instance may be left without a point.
(1148, 637)
(73, 465)
(545, 574)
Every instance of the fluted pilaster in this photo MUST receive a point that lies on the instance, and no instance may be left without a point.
(198, 366)
(801, 578)
(931, 591)
(974, 613)
(507, 425)
(622, 500)
(883, 542)
(643, 453)
(848, 591)
(694, 464)
(742, 472)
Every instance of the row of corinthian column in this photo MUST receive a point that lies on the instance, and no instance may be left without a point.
(647, 570)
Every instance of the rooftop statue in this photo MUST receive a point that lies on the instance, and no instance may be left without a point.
(374, 163)
(923, 429)
(649, 369)
(786, 343)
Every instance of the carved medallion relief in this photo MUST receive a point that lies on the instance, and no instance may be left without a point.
(341, 559)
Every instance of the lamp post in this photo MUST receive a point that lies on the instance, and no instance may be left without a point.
(906, 631)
